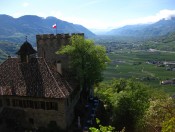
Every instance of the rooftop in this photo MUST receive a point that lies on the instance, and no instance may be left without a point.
(34, 78)
(26, 49)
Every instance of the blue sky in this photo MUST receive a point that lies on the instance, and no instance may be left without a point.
(93, 14)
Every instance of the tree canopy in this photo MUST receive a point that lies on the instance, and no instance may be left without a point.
(136, 106)
(87, 59)
(127, 101)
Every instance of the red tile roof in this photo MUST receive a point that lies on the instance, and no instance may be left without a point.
(34, 78)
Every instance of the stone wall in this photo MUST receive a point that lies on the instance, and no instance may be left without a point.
(38, 117)
(70, 107)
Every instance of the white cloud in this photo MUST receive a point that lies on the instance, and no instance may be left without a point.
(25, 4)
(88, 23)
(97, 24)
(167, 14)
(162, 14)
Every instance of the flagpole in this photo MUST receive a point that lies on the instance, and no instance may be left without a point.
(56, 28)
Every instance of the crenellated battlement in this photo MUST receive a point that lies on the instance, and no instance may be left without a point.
(48, 44)
(57, 36)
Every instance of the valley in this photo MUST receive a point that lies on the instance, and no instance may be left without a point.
(142, 60)
(135, 64)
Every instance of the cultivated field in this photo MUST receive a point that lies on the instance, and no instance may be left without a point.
(134, 64)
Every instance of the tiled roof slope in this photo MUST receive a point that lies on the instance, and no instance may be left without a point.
(34, 78)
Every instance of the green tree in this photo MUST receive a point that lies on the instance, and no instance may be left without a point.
(87, 59)
(127, 101)
(161, 113)
(102, 128)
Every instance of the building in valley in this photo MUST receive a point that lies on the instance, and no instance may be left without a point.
(36, 88)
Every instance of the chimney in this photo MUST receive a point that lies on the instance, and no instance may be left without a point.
(58, 66)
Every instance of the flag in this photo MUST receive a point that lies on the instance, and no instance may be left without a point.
(54, 26)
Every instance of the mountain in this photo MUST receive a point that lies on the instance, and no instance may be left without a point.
(159, 28)
(15, 29)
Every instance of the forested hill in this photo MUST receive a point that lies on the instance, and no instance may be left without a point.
(159, 28)
(15, 29)
(6, 49)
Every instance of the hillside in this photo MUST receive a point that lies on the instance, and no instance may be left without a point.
(163, 43)
(7, 48)
(159, 28)
(15, 29)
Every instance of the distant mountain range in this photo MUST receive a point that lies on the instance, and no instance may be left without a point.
(159, 28)
(15, 29)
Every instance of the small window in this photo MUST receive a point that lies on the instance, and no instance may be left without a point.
(42, 105)
(13, 102)
(31, 104)
(24, 103)
(54, 106)
(51, 106)
(20, 103)
(35, 104)
(16, 102)
(39, 104)
(8, 102)
(48, 105)
(27, 104)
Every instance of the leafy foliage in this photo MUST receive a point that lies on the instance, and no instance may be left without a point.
(136, 106)
(127, 101)
(87, 59)
(102, 128)
(160, 113)
(168, 126)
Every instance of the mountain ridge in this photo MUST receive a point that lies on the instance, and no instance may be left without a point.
(15, 29)
(160, 28)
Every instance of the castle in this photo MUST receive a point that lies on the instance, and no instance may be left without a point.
(48, 44)
(36, 88)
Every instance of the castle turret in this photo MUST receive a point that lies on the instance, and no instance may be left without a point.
(26, 51)
(48, 44)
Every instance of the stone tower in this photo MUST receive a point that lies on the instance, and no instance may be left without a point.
(48, 44)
